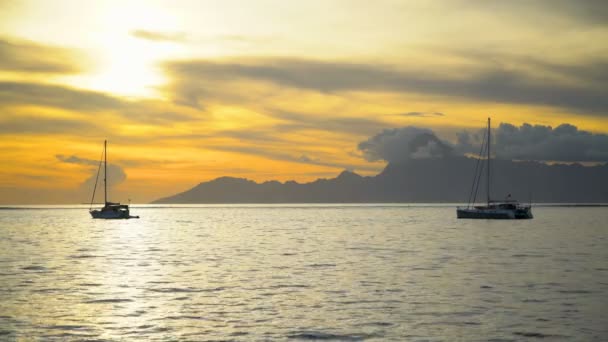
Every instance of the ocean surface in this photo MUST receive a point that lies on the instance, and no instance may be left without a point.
(303, 272)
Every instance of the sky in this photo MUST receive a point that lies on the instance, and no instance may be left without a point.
(187, 91)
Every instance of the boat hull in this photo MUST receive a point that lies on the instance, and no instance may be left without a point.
(111, 214)
(494, 214)
(110, 210)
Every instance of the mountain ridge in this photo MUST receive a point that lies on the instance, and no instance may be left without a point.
(417, 180)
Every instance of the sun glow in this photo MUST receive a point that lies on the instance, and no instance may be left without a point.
(125, 64)
(190, 90)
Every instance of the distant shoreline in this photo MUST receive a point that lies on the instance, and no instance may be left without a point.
(282, 205)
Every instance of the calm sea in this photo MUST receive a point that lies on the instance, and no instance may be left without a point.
(303, 272)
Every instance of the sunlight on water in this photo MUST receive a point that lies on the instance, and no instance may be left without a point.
(303, 272)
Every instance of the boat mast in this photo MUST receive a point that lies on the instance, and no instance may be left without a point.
(489, 144)
(105, 172)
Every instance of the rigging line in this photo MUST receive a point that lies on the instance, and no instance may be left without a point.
(96, 179)
(478, 182)
(476, 170)
(473, 183)
(475, 174)
(478, 175)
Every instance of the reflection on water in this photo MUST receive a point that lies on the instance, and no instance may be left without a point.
(303, 272)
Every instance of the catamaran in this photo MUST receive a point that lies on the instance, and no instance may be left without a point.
(505, 209)
(110, 210)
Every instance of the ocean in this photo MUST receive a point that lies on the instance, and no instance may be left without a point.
(303, 272)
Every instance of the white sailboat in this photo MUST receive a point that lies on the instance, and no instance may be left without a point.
(110, 210)
(506, 209)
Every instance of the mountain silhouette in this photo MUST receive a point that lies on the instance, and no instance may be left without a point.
(417, 180)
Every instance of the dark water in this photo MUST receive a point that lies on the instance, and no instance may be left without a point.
(303, 272)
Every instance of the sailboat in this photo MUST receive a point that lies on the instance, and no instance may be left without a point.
(110, 210)
(505, 209)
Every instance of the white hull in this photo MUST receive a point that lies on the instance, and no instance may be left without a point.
(109, 215)
(509, 209)
(495, 213)
(112, 211)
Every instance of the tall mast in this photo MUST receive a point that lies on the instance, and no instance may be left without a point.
(489, 144)
(105, 172)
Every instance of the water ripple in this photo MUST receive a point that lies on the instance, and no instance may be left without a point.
(342, 273)
(317, 335)
(111, 300)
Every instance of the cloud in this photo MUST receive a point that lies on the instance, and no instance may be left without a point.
(422, 114)
(28, 93)
(564, 143)
(286, 156)
(490, 81)
(543, 143)
(245, 39)
(294, 123)
(346, 124)
(588, 12)
(15, 93)
(173, 37)
(30, 57)
(76, 160)
(116, 174)
(30, 124)
(402, 144)
(182, 37)
(306, 159)
(157, 112)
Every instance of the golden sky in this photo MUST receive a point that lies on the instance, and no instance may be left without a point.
(187, 91)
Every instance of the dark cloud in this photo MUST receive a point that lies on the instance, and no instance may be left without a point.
(27, 93)
(174, 37)
(246, 39)
(153, 116)
(25, 56)
(195, 80)
(306, 159)
(28, 124)
(564, 143)
(537, 142)
(401, 144)
(311, 74)
(116, 174)
(251, 135)
(182, 37)
(590, 10)
(285, 156)
(156, 112)
(587, 12)
(301, 121)
(294, 123)
(592, 71)
(76, 160)
(73, 99)
(422, 114)
(595, 73)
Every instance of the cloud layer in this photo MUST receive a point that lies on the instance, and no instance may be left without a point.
(537, 142)
(401, 144)
(116, 174)
(581, 88)
(564, 143)
(25, 56)
(157, 36)
(30, 93)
